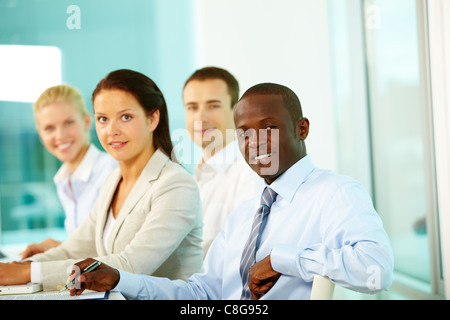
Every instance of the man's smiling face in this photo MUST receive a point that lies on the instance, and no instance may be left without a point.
(269, 139)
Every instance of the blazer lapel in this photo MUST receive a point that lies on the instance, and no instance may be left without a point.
(150, 173)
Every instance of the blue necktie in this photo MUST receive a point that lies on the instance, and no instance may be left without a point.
(249, 253)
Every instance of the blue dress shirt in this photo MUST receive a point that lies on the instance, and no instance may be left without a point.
(321, 223)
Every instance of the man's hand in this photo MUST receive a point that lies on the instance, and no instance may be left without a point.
(103, 278)
(262, 278)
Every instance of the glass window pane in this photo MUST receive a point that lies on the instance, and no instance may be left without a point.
(28, 198)
(27, 194)
(399, 137)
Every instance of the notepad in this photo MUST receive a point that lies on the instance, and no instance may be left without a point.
(58, 296)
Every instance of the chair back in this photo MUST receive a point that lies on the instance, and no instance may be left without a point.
(322, 288)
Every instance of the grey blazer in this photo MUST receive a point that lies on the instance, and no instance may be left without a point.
(158, 230)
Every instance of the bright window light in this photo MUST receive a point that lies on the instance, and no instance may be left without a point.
(26, 71)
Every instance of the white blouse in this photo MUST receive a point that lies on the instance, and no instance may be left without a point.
(108, 227)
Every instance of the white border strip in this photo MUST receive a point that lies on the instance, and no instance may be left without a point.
(439, 38)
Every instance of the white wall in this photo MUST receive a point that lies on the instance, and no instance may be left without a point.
(282, 41)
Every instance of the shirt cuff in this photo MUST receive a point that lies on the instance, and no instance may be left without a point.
(285, 259)
(36, 273)
(129, 285)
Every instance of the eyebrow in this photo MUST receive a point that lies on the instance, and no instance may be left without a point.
(214, 101)
(208, 101)
(66, 117)
(121, 111)
(244, 127)
(268, 119)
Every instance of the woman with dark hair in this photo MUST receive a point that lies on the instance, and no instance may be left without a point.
(147, 93)
(147, 218)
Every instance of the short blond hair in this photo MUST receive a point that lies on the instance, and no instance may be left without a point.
(61, 93)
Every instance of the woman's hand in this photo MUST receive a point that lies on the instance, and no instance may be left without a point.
(15, 273)
(36, 248)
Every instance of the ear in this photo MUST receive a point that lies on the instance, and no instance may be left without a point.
(153, 120)
(87, 121)
(303, 128)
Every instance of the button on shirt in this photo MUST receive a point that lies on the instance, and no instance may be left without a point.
(225, 180)
(321, 223)
(78, 192)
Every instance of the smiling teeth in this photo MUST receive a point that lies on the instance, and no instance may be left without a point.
(64, 146)
(263, 156)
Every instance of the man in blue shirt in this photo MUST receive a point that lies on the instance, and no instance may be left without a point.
(315, 222)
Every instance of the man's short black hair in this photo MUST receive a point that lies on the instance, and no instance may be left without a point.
(290, 100)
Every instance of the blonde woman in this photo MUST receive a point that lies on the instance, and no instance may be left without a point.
(147, 218)
(63, 124)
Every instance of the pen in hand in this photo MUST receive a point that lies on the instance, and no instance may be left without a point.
(89, 268)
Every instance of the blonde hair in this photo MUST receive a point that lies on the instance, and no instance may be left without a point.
(61, 93)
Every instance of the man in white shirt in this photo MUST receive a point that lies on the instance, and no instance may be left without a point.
(223, 177)
(319, 222)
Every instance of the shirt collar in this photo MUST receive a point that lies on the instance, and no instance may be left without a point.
(83, 170)
(288, 183)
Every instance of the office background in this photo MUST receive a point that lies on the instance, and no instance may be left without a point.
(361, 68)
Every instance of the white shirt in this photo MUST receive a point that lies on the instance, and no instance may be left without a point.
(225, 180)
(110, 220)
(78, 192)
(321, 223)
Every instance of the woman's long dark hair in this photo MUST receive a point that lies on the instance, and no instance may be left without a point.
(147, 93)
